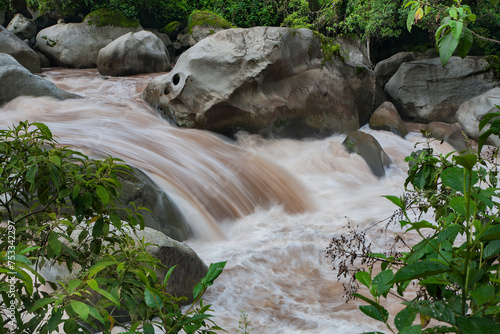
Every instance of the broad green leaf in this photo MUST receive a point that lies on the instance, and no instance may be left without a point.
(383, 282)
(396, 200)
(404, 318)
(54, 320)
(100, 266)
(491, 233)
(375, 313)
(44, 129)
(465, 42)
(415, 329)
(214, 270)
(483, 294)
(41, 303)
(458, 204)
(197, 290)
(167, 276)
(411, 18)
(73, 284)
(148, 328)
(477, 325)
(53, 245)
(468, 161)
(93, 284)
(55, 160)
(487, 118)
(152, 299)
(70, 326)
(81, 309)
(456, 28)
(364, 278)
(31, 174)
(447, 44)
(491, 249)
(103, 194)
(421, 269)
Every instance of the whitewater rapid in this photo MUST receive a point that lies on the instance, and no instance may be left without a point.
(276, 268)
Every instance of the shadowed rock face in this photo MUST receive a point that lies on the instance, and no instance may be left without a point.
(424, 91)
(12, 45)
(264, 80)
(369, 149)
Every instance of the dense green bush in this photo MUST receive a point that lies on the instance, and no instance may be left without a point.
(450, 274)
(59, 206)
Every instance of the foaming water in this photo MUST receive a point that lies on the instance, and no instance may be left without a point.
(220, 181)
(276, 270)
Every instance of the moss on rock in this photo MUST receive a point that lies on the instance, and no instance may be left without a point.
(207, 19)
(329, 47)
(171, 29)
(106, 17)
(494, 65)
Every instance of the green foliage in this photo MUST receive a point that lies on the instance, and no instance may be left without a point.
(107, 17)
(370, 18)
(455, 263)
(454, 33)
(59, 206)
(204, 18)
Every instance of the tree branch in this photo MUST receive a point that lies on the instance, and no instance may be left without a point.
(485, 38)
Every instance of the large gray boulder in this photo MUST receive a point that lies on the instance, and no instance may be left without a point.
(13, 46)
(78, 44)
(386, 68)
(22, 27)
(133, 53)
(369, 149)
(471, 112)
(18, 81)
(266, 80)
(424, 91)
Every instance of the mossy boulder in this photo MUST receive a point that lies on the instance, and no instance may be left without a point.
(202, 24)
(172, 29)
(106, 17)
(207, 19)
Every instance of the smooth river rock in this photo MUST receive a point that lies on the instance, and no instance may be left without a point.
(266, 80)
(424, 91)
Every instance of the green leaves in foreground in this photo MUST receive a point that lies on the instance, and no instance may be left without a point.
(451, 259)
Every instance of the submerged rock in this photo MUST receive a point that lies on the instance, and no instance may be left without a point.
(450, 133)
(18, 81)
(369, 149)
(164, 216)
(386, 117)
(266, 80)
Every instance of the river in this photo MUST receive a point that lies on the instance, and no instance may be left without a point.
(271, 224)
